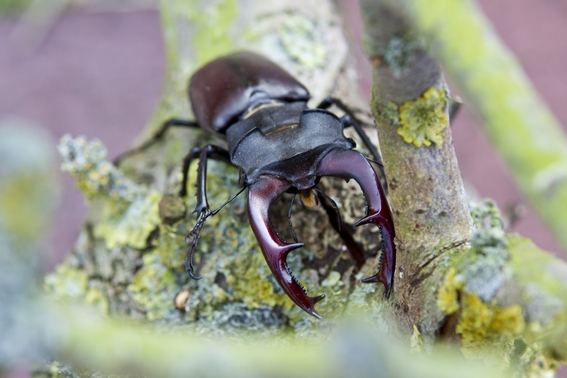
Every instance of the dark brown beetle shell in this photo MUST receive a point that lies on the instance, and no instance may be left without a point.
(222, 90)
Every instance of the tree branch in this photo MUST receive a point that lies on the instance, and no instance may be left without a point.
(518, 123)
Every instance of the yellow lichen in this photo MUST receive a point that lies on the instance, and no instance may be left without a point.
(154, 287)
(488, 331)
(131, 226)
(96, 298)
(423, 119)
(416, 341)
(447, 299)
(262, 290)
(67, 282)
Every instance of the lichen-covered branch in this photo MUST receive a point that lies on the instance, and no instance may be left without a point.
(516, 120)
(495, 294)
(410, 103)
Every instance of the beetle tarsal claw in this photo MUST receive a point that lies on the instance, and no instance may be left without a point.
(193, 235)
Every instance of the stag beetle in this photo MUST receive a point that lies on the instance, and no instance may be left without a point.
(279, 145)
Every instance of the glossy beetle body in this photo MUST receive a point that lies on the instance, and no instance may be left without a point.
(280, 146)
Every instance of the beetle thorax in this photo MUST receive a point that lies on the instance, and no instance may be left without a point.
(286, 140)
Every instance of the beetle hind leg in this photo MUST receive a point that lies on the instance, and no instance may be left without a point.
(261, 195)
(349, 164)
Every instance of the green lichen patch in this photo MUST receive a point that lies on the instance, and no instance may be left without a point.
(96, 177)
(528, 323)
(154, 288)
(545, 296)
(67, 282)
(97, 299)
(487, 328)
(488, 331)
(213, 21)
(399, 53)
(483, 269)
(423, 119)
(300, 39)
(391, 113)
(129, 225)
(128, 212)
(255, 286)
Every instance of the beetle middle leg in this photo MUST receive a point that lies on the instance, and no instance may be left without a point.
(350, 120)
(345, 231)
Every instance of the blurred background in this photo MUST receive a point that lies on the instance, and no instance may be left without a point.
(94, 68)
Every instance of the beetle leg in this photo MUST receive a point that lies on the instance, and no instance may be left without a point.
(209, 151)
(193, 235)
(349, 164)
(345, 231)
(289, 218)
(351, 120)
(157, 136)
(202, 208)
(261, 195)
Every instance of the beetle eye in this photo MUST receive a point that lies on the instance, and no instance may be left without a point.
(308, 198)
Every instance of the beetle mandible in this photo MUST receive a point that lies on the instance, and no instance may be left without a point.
(279, 145)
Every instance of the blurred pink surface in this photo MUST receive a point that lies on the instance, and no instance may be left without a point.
(100, 74)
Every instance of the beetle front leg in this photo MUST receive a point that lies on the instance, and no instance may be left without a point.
(349, 164)
(261, 195)
(202, 208)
